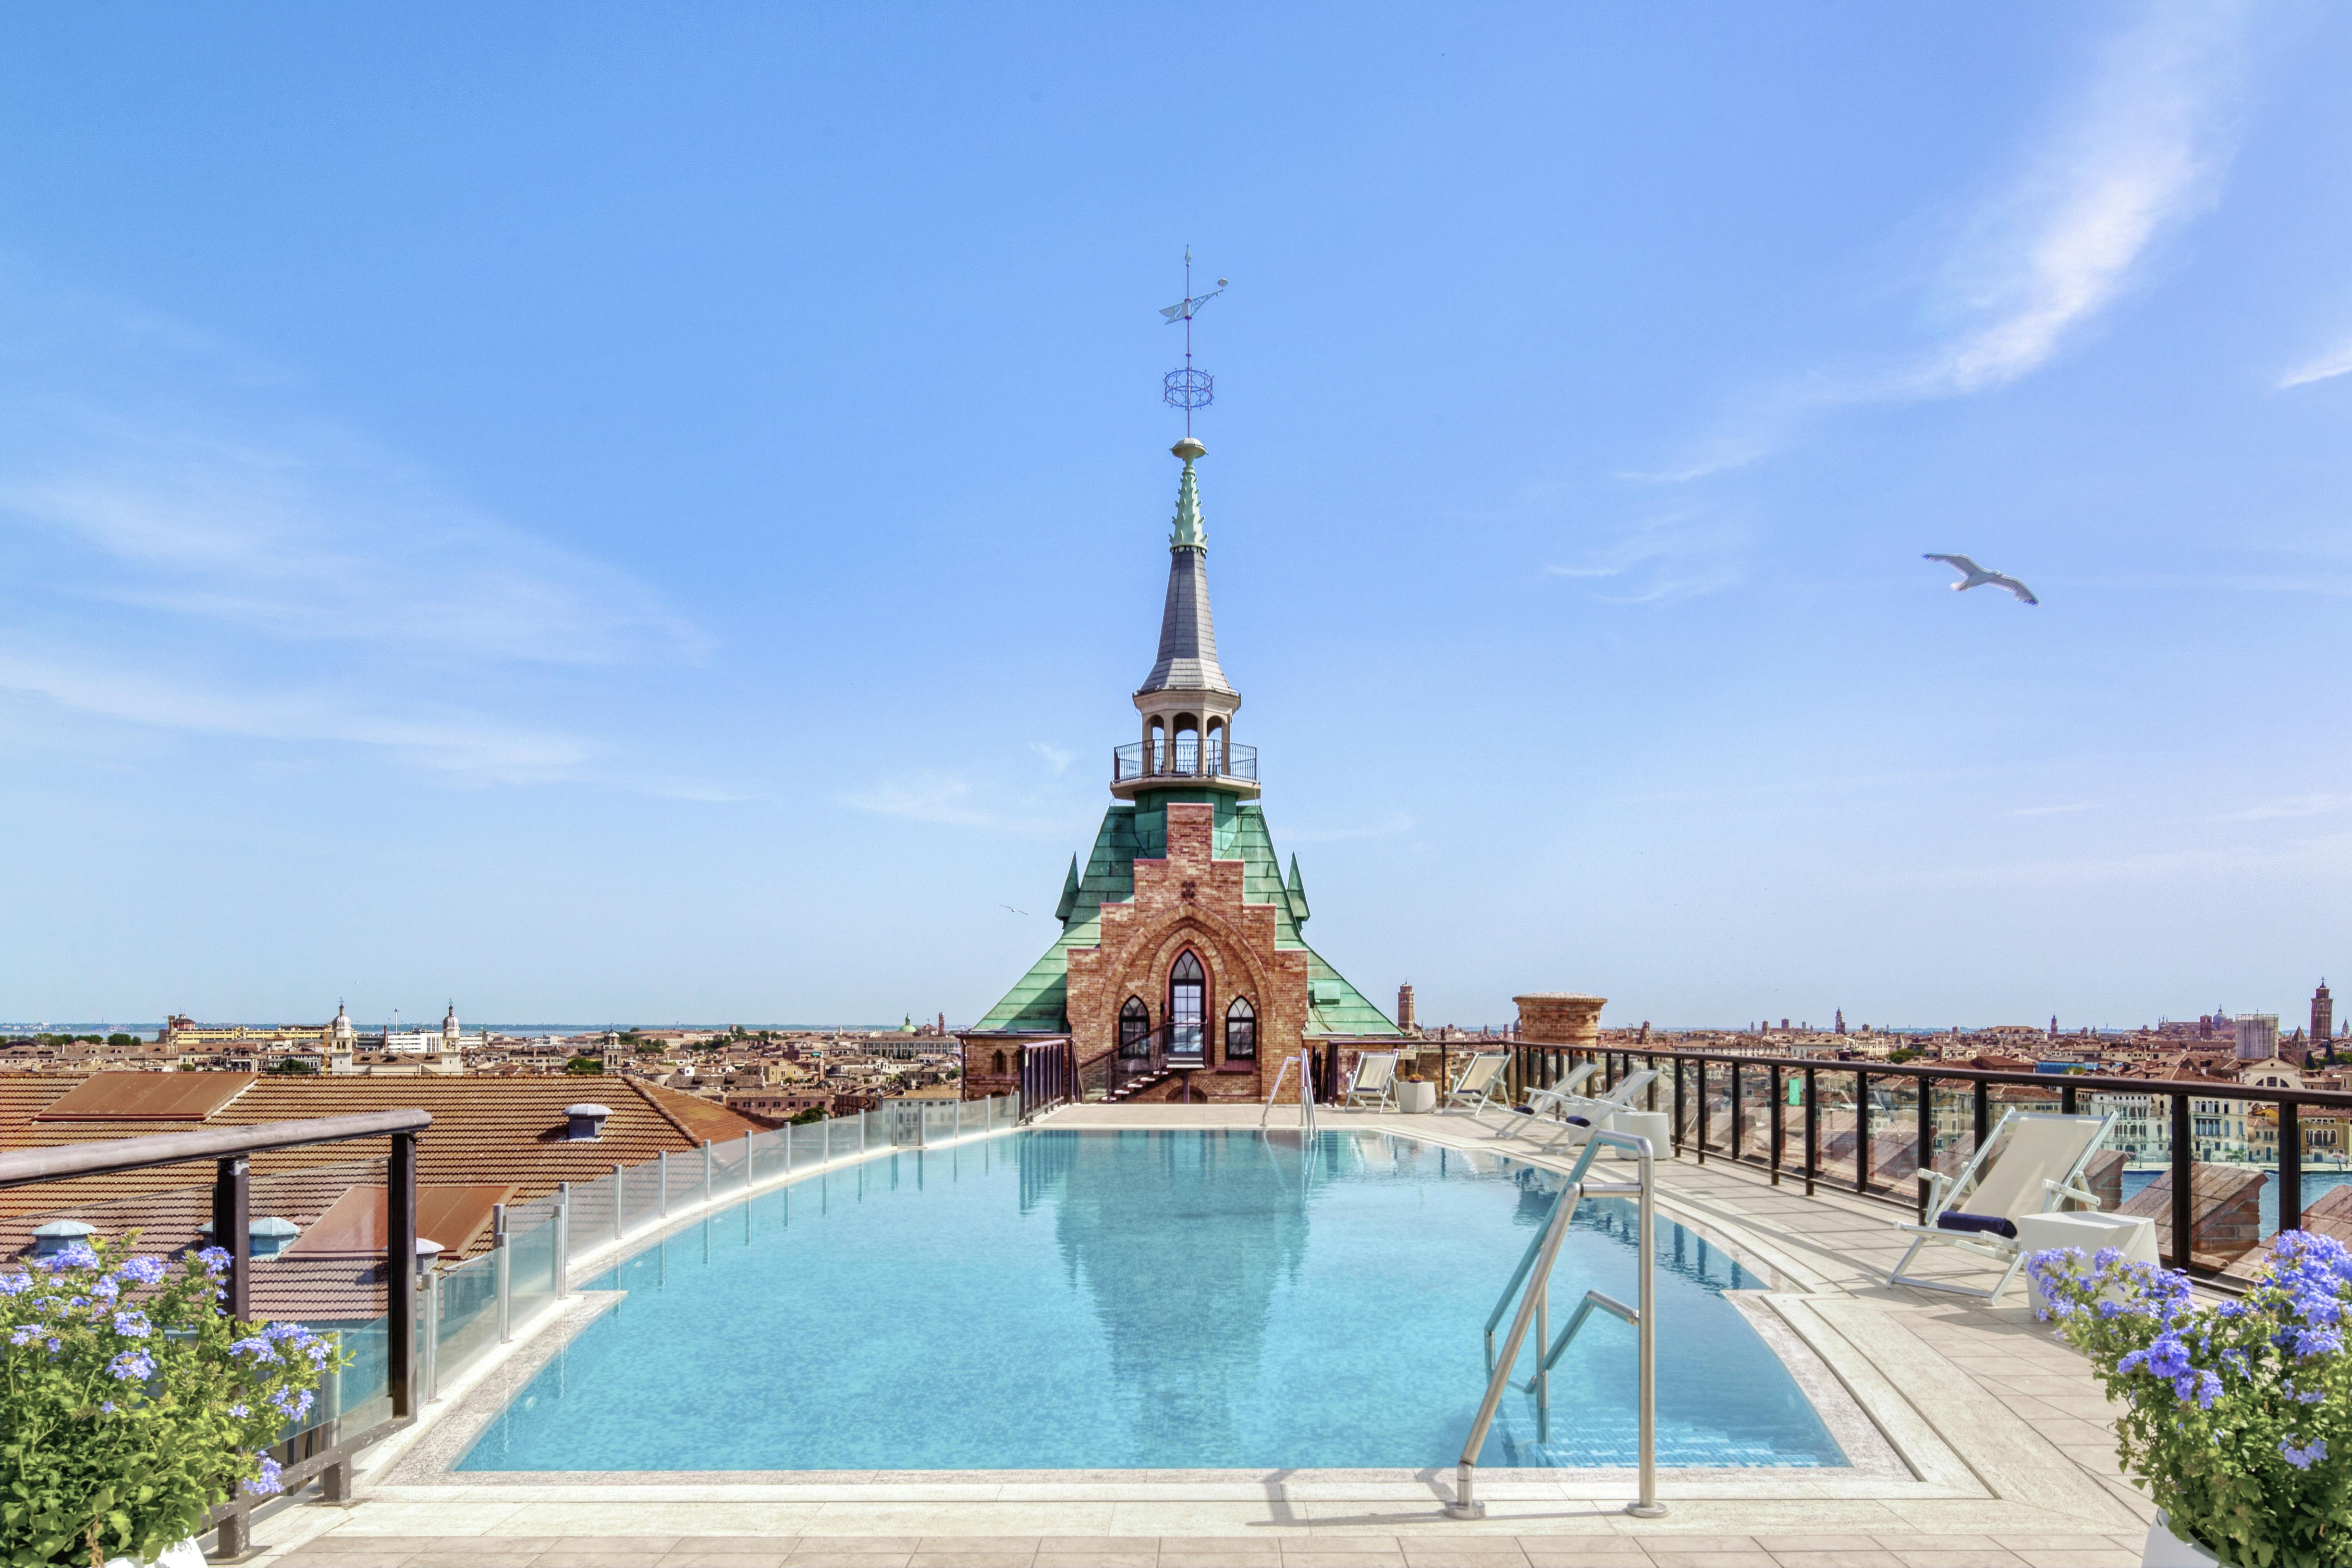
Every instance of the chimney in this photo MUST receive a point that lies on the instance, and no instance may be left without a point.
(50, 1239)
(585, 1123)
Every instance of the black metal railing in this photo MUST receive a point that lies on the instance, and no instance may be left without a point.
(1184, 758)
(314, 1454)
(1848, 1129)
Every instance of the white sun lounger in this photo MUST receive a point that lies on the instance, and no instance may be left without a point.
(2038, 1168)
(1375, 1075)
(1473, 1086)
(1584, 1113)
(1552, 1101)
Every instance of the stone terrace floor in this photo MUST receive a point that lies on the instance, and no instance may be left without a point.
(1996, 1453)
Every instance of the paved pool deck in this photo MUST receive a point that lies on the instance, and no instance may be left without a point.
(1994, 1444)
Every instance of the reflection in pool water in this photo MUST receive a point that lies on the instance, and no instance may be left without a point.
(1139, 1299)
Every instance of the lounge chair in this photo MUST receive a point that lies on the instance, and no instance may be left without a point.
(1375, 1075)
(1474, 1084)
(1553, 1102)
(2038, 1167)
(1584, 1113)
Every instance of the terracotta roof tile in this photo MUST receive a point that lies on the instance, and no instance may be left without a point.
(508, 1132)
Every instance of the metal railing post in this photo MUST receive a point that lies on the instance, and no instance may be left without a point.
(1779, 1133)
(563, 1239)
(433, 1334)
(706, 1172)
(1924, 1160)
(499, 1276)
(620, 1203)
(400, 1273)
(2184, 1176)
(1861, 1131)
(747, 1162)
(661, 1185)
(1645, 1341)
(1813, 1129)
(2289, 1166)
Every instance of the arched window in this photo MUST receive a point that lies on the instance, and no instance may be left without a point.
(1134, 1028)
(999, 1064)
(1188, 1000)
(1241, 1031)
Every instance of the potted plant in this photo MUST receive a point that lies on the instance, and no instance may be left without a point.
(1415, 1093)
(128, 1405)
(2237, 1416)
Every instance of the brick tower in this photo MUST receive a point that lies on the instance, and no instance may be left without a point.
(1180, 969)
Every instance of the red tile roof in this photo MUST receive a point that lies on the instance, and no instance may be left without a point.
(506, 1131)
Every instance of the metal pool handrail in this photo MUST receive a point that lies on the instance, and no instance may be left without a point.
(1305, 1093)
(1534, 1305)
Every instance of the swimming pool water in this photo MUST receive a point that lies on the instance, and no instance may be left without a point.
(1082, 1299)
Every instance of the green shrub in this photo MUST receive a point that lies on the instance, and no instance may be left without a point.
(128, 1405)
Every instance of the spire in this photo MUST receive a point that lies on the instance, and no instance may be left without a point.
(1297, 892)
(1188, 529)
(1188, 637)
(1069, 893)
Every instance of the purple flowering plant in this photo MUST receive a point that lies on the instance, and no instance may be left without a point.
(2236, 1416)
(129, 1406)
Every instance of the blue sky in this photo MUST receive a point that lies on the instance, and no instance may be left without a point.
(655, 512)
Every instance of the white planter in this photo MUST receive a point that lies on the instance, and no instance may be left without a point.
(184, 1555)
(2162, 1550)
(1416, 1099)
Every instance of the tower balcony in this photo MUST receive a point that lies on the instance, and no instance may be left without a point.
(1219, 764)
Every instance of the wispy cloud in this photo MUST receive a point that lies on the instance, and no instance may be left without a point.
(1663, 559)
(2137, 149)
(2291, 806)
(2336, 361)
(1057, 757)
(2141, 149)
(190, 550)
(956, 802)
(313, 537)
(448, 740)
(2330, 856)
(2053, 810)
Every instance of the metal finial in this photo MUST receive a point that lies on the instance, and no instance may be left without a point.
(1188, 388)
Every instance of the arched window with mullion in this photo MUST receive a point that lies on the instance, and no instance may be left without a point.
(1241, 1031)
(1134, 1028)
(1188, 1005)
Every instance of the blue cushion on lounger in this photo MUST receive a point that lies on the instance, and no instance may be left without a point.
(1578, 1121)
(1992, 1224)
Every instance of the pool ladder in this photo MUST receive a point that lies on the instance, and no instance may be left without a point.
(1305, 1094)
(1531, 1286)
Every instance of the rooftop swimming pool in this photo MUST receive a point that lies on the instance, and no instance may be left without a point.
(1129, 1299)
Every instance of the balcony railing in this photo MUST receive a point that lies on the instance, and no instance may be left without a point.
(1184, 758)
(1876, 1128)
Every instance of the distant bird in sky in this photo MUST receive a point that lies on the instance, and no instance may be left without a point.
(1978, 577)
(1010, 906)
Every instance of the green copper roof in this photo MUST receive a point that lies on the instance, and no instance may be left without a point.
(1188, 529)
(1139, 831)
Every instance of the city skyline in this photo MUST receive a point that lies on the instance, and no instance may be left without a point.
(483, 516)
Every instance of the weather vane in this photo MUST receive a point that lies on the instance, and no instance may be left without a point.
(1188, 388)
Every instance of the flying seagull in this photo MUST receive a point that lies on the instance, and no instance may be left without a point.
(1010, 906)
(1978, 577)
